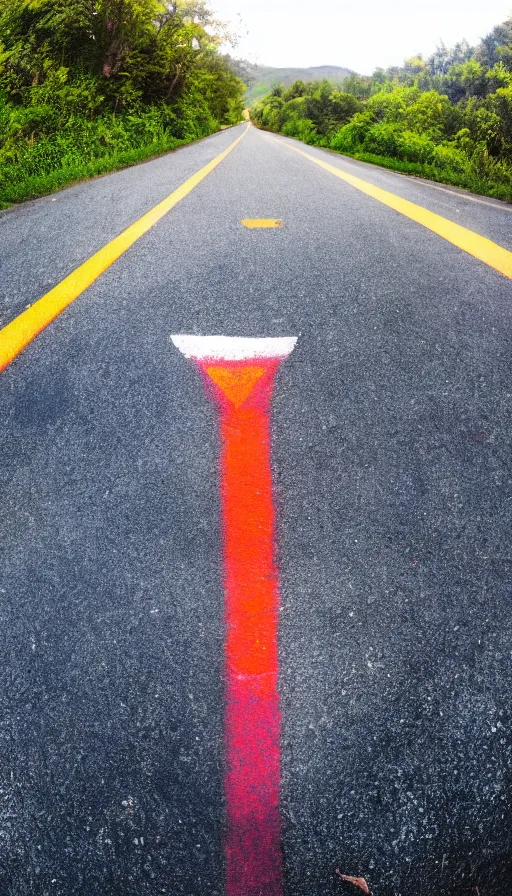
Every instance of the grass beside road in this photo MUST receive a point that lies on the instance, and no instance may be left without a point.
(83, 93)
(18, 182)
(17, 185)
(424, 119)
(467, 181)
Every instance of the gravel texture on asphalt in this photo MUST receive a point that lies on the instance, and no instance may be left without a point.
(392, 422)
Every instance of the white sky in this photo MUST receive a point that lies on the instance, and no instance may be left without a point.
(290, 33)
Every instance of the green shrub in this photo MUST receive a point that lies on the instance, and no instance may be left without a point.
(391, 105)
(431, 114)
(414, 147)
(302, 129)
(352, 134)
(82, 147)
(485, 166)
(343, 140)
(382, 140)
(447, 157)
(448, 117)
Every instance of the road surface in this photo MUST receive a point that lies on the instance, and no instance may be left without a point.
(392, 476)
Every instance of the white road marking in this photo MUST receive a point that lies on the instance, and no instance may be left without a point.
(233, 348)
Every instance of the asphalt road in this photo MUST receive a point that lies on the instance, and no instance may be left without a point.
(392, 467)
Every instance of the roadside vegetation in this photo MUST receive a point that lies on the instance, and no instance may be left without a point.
(447, 118)
(260, 79)
(88, 86)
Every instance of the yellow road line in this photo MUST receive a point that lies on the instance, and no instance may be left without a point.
(23, 329)
(253, 223)
(473, 243)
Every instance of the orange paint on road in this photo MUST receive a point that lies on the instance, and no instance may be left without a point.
(252, 722)
(239, 375)
(235, 382)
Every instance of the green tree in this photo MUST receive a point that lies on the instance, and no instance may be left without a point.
(82, 80)
(297, 89)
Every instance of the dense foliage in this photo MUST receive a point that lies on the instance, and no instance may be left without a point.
(87, 85)
(448, 117)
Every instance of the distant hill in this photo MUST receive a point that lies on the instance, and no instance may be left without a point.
(261, 78)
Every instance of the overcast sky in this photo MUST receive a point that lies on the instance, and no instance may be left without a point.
(360, 36)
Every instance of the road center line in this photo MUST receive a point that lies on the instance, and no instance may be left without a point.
(264, 223)
(23, 329)
(473, 243)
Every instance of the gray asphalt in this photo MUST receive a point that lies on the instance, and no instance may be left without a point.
(393, 480)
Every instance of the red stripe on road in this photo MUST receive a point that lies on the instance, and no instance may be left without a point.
(252, 723)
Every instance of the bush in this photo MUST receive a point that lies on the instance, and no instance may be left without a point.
(382, 140)
(343, 140)
(302, 129)
(352, 135)
(414, 147)
(85, 84)
(447, 157)
(390, 140)
(447, 118)
(485, 166)
(431, 114)
(81, 147)
(391, 106)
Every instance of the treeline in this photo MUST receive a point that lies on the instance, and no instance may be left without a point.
(89, 85)
(448, 117)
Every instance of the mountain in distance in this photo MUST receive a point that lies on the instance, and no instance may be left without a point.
(260, 79)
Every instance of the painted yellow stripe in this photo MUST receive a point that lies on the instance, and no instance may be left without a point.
(253, 223)
(473, 243)
(23, 329)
